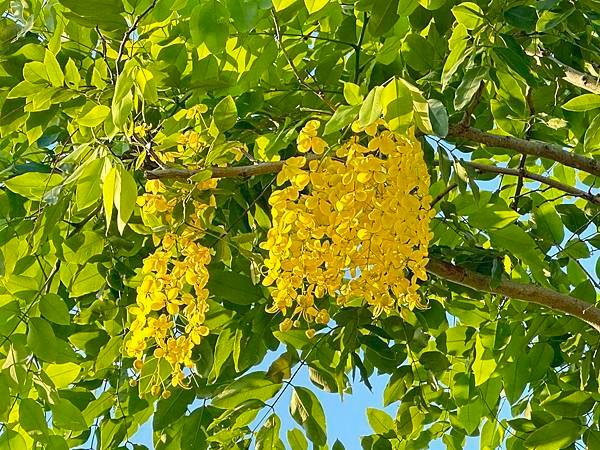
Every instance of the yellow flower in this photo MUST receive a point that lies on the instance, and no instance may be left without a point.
(308, 139)
(358, 228)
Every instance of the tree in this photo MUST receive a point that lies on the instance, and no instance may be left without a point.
(191, 186)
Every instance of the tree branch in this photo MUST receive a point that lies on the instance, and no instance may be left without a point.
(442, 194)
(318, 92)
(128, 33)
(573, 76)
(524, 173)
(525, 292)
(468, 114)
(527, 147)
(224, 172)
(273, 167)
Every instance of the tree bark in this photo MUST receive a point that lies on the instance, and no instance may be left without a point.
(520, 291)
(524, 173)
(527, 147)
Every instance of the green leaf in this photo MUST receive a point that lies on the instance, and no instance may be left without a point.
(23, 89)
(53, 70)
(439, 117)
(468, 14)
(41, 339)
(297, 440)
(549, 223)
(554, 435)
(125, 196)
(383, 16)
(569, 404)
(280, 5)
(11, 440)
(342, 117)
(583, 102)
(62, 375)
(280, 369)
(102, 13)
(514, 239)
(31, 417)
(468, 86)
(108, 193)
(469, 415)
(33, 185)
(492, 218)
(371, 109)
(267, 437)
(225, 114)
(484, 364)
(94, 116)
(296, 338)
(67, 416)
(223, 350)
(194, 436)
(89, 190)
(548, 19)
(337, 445)
(457, 55)
(252, 386)
(54, 308)
(591, 141)
(417, 52)
(122, 102)
(352, 93)
(434, 361)
(307, 411)
(420, 108)
(397, 105)
(79, 248)
(492, 434)
(209, 25)
(524, 17)
(380, 421)
(174, 406)
(72, 76)
(233, 287)
(86, 281)
(314, 6)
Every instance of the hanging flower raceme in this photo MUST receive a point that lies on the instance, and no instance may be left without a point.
(171, 302)
(350, 226)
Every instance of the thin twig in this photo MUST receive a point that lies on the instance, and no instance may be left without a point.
(468, 115)
(128, 33)
(519, 188)
(442, 194)
(358, 48)
(318, 92)
(104, 52)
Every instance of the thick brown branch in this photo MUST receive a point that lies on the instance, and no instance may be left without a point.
(520, 291)
(527, 147)
(524, 173)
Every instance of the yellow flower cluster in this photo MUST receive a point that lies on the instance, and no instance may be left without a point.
(353, 225)
(171, 301)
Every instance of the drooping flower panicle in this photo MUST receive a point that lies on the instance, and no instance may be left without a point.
(351, 226)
